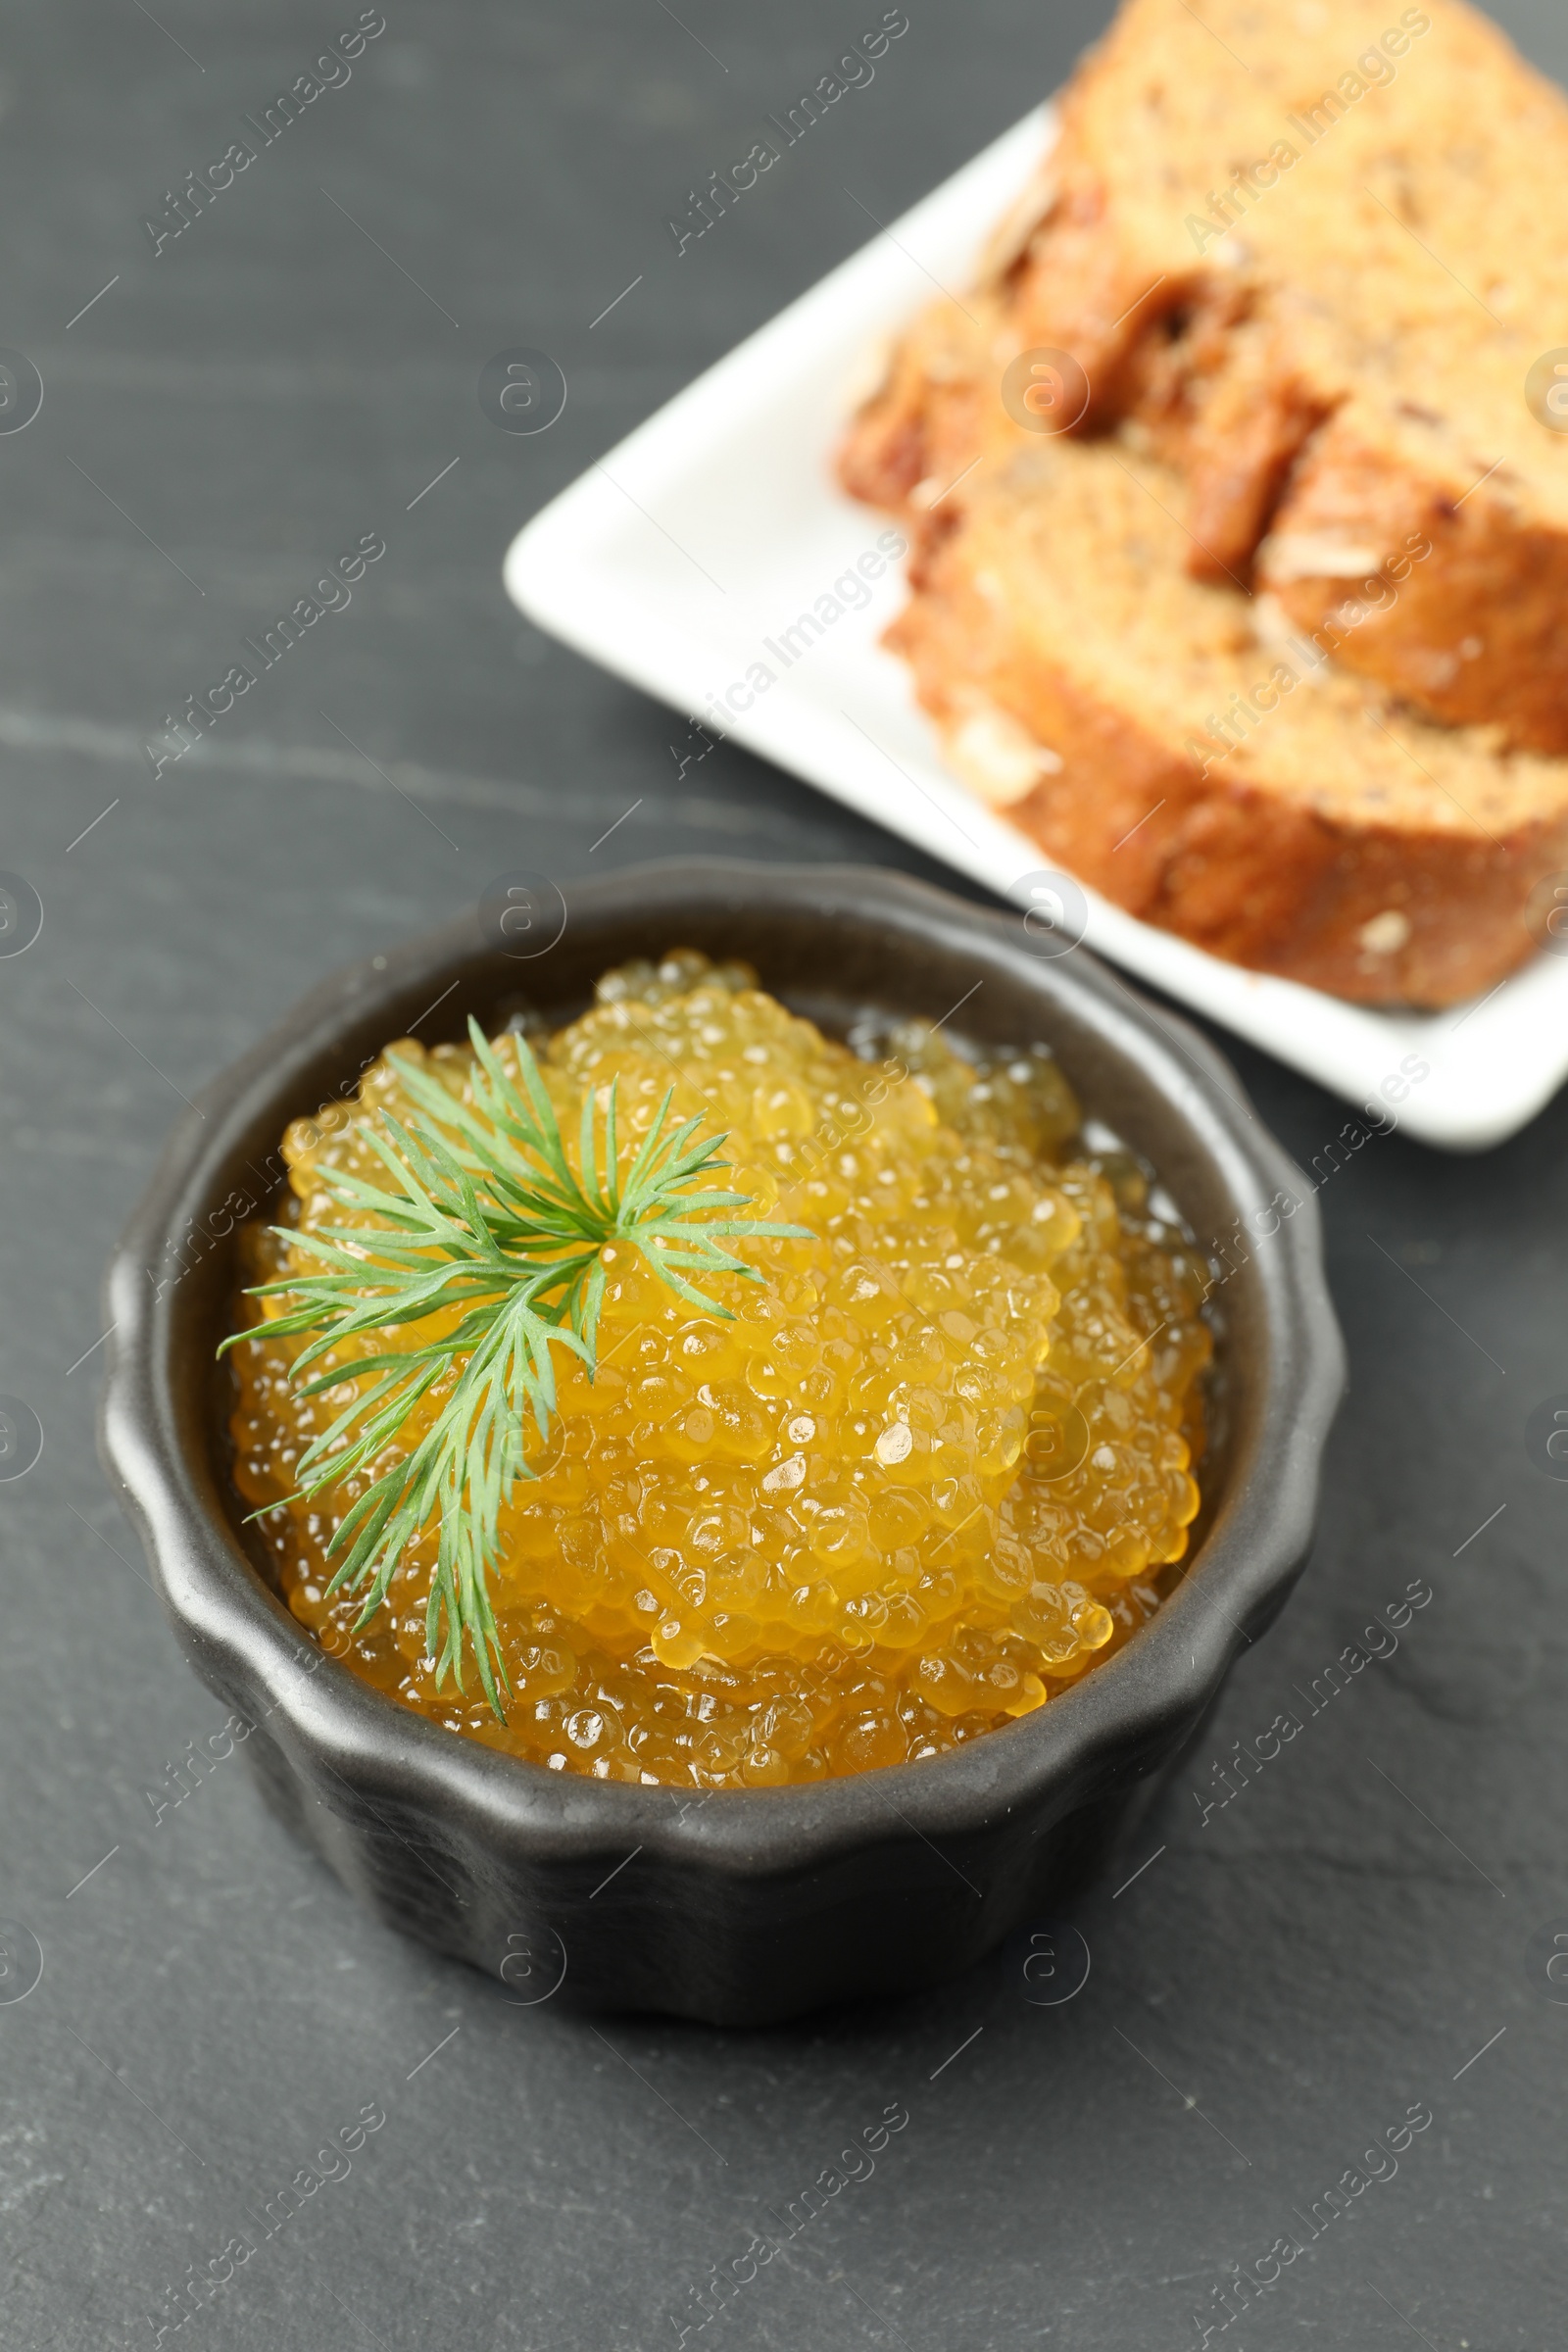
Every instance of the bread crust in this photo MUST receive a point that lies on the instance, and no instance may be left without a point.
(927, 418)
(1480, 630)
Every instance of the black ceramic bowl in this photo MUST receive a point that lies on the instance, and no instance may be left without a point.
(749, 1906)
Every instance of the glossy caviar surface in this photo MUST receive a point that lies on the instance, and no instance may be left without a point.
(937, 1466)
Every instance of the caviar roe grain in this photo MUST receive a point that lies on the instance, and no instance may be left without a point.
(937, 1467)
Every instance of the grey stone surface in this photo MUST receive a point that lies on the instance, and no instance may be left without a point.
(1291, 1973)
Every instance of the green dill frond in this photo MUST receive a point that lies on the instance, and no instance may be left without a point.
(483, 1216)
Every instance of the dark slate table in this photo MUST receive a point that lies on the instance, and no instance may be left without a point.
(1357, 1933)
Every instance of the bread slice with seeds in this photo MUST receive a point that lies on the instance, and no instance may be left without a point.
(1177, 746)
(1309, 253)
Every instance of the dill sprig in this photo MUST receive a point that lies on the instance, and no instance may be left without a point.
(490, 1224)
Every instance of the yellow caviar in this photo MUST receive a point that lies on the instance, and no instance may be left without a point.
(937, 1465)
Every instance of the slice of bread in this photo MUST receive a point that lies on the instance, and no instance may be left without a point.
(1310, 253)
(1177, 746)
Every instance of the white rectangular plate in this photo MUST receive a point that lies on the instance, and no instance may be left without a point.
(680, 560)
